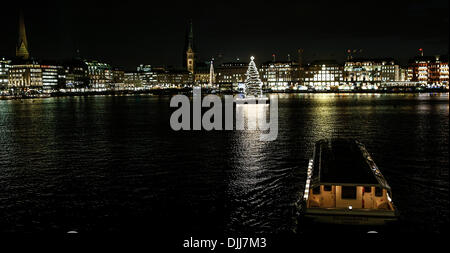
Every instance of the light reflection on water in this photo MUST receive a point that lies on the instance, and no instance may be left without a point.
(249, 180)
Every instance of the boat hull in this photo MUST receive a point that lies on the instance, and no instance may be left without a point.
(350, 217)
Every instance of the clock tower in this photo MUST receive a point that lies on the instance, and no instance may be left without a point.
(190, 54)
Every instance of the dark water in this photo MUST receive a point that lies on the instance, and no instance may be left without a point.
(112, 164)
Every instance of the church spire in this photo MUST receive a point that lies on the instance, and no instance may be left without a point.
(190, 54)
(22, 44)
(191, 36)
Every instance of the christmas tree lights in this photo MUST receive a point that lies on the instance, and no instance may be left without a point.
(253, 84)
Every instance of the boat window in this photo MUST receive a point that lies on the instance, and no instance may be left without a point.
(316, 190)
(367, 189)
(327, 188)
(378, 192)
(348, 192)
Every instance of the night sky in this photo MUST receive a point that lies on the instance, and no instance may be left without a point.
(126, 35)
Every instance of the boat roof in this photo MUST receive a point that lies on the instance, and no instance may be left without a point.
(345, 161)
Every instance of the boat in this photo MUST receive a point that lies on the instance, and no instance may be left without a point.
(344, 186)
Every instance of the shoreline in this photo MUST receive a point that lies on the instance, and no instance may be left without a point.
(189, 91)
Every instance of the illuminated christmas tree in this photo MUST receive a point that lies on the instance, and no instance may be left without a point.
(253, 84)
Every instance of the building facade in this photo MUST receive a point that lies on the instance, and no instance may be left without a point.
(148, 75)
(53, 78)
(201, 77)
(362, 73)
(25, 77)
(174, 78)
(31, 76)
(429, 70)
(76, 74)
(118, 79)
(100, 75)
(323, 75)
(280, 75)
(132, 80)
(231, 74)
(4, 72)
(202, 74)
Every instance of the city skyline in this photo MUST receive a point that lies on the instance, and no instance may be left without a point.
(123, 39)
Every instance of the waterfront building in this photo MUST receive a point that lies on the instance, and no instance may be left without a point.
(4, 72)
(30, 76)
(280, 75)
(201, 77)
(35, 77)
(403, 74)
(323, 75)
(361, 73)
(231, 74)
(148, 79)
(147, 75)
(118, 79)
(390, 71)
(25, 77)
(53, 77)
(100, 75)
(431, 71)
(76, 74)
(301, 69)
(171, 78)
(132, 80)
(202, 74)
